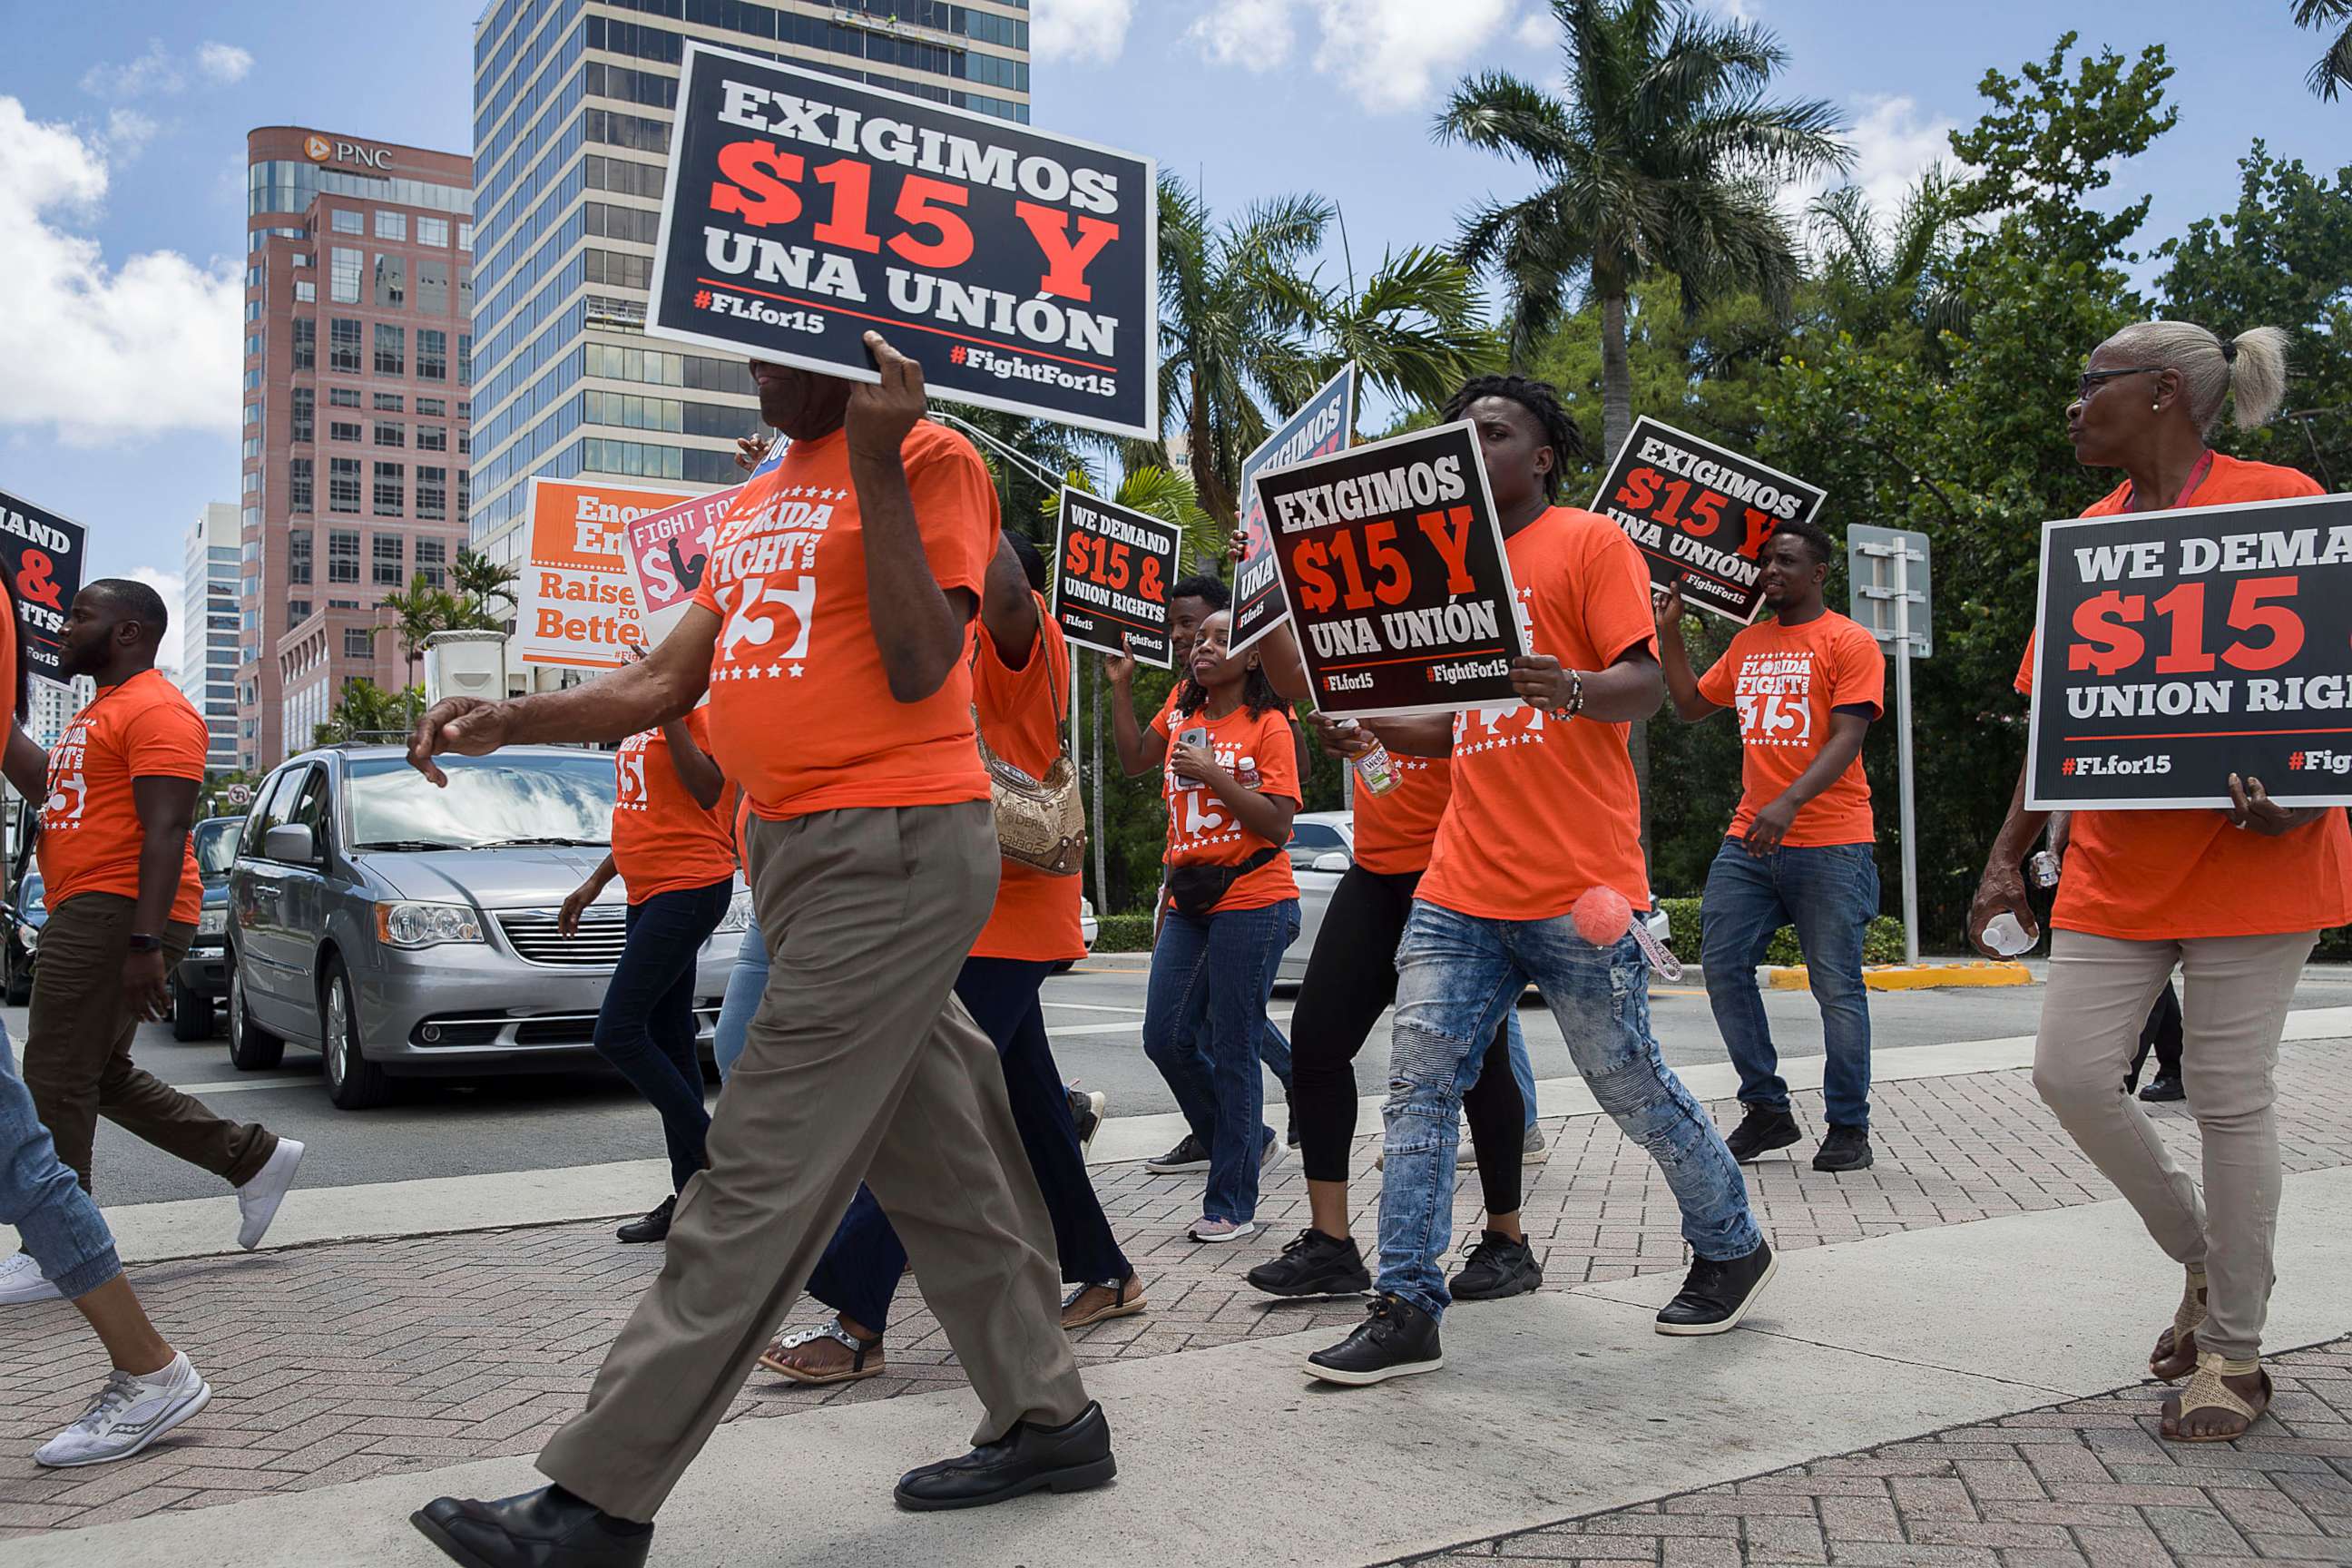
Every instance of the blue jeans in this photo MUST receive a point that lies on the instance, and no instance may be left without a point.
(1828, 892)
(1204, 1028)
(1522, 1069)
(40, 1196)
(1457, 977)
(645, 1027)
(745, 982)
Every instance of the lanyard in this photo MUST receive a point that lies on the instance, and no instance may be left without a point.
(2196, 477)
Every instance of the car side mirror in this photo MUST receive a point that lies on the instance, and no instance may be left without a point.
(1332, 860)
(290, 841)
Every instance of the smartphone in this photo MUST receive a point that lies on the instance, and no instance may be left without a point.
(1196, 736)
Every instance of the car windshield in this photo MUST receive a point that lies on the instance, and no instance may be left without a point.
(214, 839)
(544, 799)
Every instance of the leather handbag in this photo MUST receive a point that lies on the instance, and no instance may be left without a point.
(1040, 823)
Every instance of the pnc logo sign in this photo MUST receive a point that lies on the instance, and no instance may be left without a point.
(321, 150)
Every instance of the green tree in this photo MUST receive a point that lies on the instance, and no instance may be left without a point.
(1416, 332)
(478, 580)
(417, 613)
(2332, 71)
(366, 712)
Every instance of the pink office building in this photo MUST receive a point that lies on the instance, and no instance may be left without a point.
(358, 413)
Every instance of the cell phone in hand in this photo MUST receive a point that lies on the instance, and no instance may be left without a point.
(1196, 736)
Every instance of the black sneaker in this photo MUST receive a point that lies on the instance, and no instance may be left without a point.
(1718, 1295)
(1396, 1338)
(1086, 1115)
(1190, 1155)
(653, 1225)
(1846, 1149)
(2163, 1087)
(1498, 1266)
(1761, 1131)
(1314, 1264)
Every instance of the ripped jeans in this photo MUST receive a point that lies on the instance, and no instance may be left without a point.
(1457, 976)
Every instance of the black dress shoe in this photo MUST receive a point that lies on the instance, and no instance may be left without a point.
(1314, 1264)
(653, 1225)
(2161, 1087)
(546, 1529)
(1718, 1295)
(1396, 1338)
(1761, 1131)
(1026, 1460)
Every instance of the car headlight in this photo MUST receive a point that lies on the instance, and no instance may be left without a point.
(212, 922)
(738, 918)
(30, 935)
(425, 925)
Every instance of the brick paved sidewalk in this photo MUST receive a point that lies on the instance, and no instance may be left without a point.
(349, 1360)
(2082, 1485)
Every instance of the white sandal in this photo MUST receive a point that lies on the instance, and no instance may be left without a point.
(865, 1355)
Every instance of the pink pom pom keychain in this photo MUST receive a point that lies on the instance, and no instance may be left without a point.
(1604, 917)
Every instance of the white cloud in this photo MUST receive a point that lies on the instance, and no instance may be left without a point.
(172, 588)
(223, 64)
(101, 354)
(1537, 30)
(1079, 29)
(128, 132)
(1255, 35)
(1894, 143)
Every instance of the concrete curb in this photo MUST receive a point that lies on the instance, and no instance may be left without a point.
(1907, 976)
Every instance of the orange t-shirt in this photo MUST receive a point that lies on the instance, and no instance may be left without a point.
(1783, 682)
(1544, 811)
(90, 835)
(1256, 749)
(1021, 713)
(801, 711)
(2163, 876)
(663, 838)
(1394, 831)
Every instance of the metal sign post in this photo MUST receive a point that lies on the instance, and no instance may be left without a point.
(1889, 574)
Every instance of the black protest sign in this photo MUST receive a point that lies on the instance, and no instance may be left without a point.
(1324, 424)
(42, 555)
(2174, 648)
(803, 211)
(1113, 568)
(1393, 565)
(1701, 514)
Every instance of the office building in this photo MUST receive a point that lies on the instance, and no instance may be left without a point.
(50, 706)
(358, 311)
(207, 615)
(573, 101)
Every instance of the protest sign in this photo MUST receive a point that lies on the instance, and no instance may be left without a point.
(579, 605)
(1392, 566)
(1019, 268)
(1113, 568)
(1701, 514)
(1325, 424)
(2174, 648)
(667, 550)
(42, 555)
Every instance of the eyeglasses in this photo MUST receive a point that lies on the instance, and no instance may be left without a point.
(2092, 378)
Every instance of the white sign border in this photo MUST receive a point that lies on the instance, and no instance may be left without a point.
(1060, 542)
(626, 572)
(1602, 495)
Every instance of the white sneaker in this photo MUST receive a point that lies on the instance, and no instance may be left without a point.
(1531, 1153)
(258, 1200)
(21, 1279)
(129, 1412)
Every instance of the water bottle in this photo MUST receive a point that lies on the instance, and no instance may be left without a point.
(2042, 870)
(2006, 936)
(1375, 772)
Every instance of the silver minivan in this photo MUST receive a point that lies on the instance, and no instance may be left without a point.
(404, 930)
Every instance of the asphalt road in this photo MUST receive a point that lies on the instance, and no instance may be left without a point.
(1095, 1013)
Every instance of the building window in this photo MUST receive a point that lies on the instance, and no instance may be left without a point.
(391, 489)
(391, 556)
(391, 350)
(343, 345)
(305, 291)
(359, 642)
(343, 276)
(465, 236)
(388, 403)
(391, 282)
(465, 359)
(465, 443)
(347, 222)
(431, 407)
(431, 493)
(432, 354)
(344, 495)
(306, 343)
(344, 396)
(344, 551)
(432, 437)
(432, 554)
(391, 226)
(345, 430)
(298, 478)
(432, 286)
(302, 416)
(298, 564)
(298, 610)
(433, 231)
(390, 433)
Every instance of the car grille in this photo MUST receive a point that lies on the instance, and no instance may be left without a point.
(533, 936)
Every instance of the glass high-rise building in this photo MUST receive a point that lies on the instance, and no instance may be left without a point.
(207, 628)
(573, 101)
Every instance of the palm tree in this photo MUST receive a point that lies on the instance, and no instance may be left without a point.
(1664, 156)
(1879, 273)
(1416, 332)
(417, 613)
(478, 580)
(2333, 70)
(365, 710)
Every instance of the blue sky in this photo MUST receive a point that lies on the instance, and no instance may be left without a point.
(122, 159)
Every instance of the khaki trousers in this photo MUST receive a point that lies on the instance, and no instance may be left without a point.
(860, 1065)
(78, 1050)
(2234, 1008)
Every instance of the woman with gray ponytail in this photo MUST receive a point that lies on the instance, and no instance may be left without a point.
(2236, 897)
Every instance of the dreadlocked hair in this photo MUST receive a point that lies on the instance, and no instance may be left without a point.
(1539, 398)
(1258, 694)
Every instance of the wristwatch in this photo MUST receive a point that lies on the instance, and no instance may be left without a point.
(143, 943)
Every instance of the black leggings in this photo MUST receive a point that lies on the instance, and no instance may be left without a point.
(1351, 980)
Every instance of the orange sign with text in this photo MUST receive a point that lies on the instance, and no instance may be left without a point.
(579, 602)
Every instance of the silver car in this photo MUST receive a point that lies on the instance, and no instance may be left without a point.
(403, 929)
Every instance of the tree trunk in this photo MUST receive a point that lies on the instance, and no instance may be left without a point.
(1616, 423)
